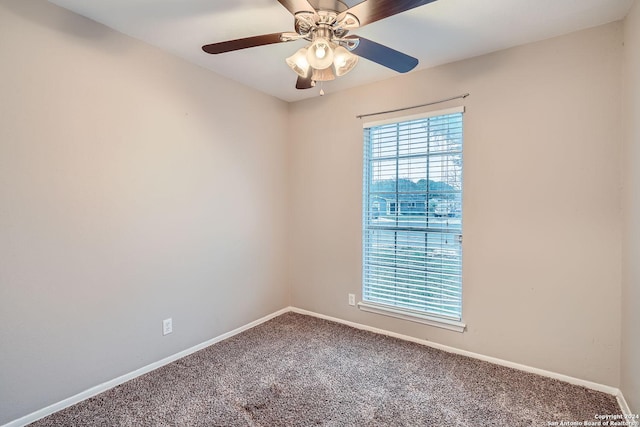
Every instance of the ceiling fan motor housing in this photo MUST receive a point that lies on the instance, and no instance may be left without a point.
(336, 6)
(324, 24)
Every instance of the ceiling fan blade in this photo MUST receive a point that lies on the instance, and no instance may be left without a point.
(295, 6)
(237, 44)
(384, 55)
(304, 83)
(370, 11)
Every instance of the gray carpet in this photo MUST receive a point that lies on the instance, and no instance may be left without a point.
(301, 371)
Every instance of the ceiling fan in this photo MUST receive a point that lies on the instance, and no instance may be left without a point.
(332, 52)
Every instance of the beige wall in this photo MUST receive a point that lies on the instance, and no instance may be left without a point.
(133, 187)
(542, 241)
(630, 366)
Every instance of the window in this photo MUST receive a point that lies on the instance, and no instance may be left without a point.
(412, 218)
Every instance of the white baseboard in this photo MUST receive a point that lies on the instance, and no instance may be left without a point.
(571, 380)
(34, 416)
(623, 403)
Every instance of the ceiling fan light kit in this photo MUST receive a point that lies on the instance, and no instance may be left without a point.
(327, 48)
(323, 62)
(331, 52)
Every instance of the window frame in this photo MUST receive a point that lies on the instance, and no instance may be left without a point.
(424, 317)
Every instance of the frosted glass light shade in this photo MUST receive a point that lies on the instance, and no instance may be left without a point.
(323, 75)
(320, 54)
(343, 61)
(298, 62)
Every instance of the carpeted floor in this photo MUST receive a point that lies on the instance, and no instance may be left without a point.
(298, 370)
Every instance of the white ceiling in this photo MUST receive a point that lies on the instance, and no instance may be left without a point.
(437, 33)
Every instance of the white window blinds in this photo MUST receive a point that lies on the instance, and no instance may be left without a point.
(412, 214)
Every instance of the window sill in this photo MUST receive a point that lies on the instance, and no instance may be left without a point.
(398, 313)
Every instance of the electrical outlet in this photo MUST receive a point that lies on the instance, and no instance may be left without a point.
(352, 299)
(167, 326)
